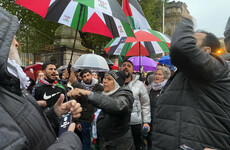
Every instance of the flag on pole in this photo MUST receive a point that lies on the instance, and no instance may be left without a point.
(104, 17)
(135, 14)
(120, 59)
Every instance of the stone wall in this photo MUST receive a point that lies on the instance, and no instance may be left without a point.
(173, 14)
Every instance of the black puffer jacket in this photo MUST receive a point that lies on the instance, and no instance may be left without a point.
(153, 96)
(194, 108)
(113, 123)
(23, 124)
(88, 110)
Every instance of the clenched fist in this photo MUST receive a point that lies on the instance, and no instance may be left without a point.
(62, 108)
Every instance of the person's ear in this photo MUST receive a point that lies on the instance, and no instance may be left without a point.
(207, 49)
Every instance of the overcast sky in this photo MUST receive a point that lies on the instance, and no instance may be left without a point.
(210, 15)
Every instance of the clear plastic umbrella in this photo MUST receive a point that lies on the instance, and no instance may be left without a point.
(91, 62)
(62, 68)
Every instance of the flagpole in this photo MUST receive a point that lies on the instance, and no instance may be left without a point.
(140, 60)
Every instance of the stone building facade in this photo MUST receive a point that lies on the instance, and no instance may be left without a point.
(64, 40)
(173, 13)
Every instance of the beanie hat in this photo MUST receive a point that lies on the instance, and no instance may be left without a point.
(118, 76)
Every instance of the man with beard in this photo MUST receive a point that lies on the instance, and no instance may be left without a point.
(140, 116)
(193, 109)
(91, 84)
(48, 90)
(23, 125)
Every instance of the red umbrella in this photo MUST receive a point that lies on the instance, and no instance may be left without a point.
(104, 17)
(147, 42)
(30, 75)
(34, 68)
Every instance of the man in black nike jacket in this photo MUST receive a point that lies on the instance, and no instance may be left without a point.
(48, 90)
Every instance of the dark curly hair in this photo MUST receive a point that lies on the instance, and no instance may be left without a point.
(210, 40)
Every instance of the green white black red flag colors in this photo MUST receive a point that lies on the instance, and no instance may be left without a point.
(135, 15)
(151, 43)
(146, 42)
(104, 17)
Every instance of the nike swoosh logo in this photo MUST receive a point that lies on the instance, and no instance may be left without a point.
(49, 96)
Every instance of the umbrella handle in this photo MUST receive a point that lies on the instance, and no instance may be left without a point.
(68, 69)
(81, 7)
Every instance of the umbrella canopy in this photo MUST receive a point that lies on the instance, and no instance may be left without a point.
(135, 14)
(62, 68)
(165, 60)
(34, 68)
(30, 75)
(104, 17)
(109, 62)
(147, 63)
(147, 42)
(91, 62)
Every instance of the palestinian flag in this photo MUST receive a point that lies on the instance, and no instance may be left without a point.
(104, 17)
(135, 14)
(134, 49)
(147, 43)
(116, 45)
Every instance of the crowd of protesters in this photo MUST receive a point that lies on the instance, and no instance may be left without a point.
(188, 108)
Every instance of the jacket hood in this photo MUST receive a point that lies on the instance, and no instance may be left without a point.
(8, 27)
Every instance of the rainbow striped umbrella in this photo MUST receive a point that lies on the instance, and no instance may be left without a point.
(146, 42)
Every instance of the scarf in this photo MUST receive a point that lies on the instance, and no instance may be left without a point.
(156, 86)
(89, 86)
(55, 83)
(116, 87)
(17, 71)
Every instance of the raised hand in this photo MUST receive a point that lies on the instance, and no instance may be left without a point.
(62, 108)
(78, 93)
